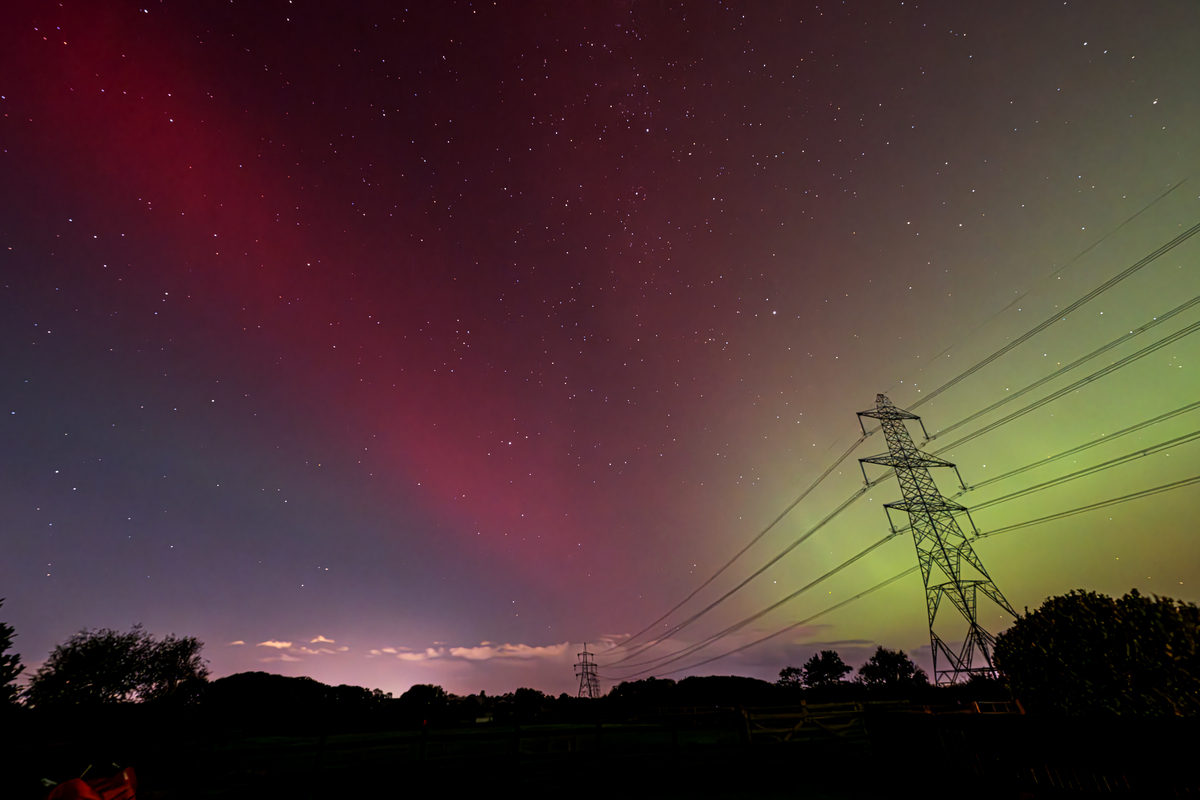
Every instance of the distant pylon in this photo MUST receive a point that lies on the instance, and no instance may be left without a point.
(941, 545)
(589, 684)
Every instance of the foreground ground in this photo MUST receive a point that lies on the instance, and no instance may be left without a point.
(823, 753)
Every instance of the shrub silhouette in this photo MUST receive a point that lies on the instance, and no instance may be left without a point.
(10, 665)
(106, 666)
(1087, 653)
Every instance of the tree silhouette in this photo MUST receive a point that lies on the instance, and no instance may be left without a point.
(1087, 653)
(826, 668)
(790, 677)
(650, 691)
(424, 698)
(10, 665)
(891, 668)
(107, 666)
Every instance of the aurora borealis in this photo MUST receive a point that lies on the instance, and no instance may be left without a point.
(423, 345)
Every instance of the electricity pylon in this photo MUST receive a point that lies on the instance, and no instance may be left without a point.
(589, 684)
(941, 545)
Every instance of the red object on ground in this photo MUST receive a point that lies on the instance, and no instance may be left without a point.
(122, 786)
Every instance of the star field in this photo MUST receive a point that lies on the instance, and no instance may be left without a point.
(410, 345)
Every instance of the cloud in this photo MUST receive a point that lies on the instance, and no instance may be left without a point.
(308, 651)
(275, 644)
(343, 649)
(280, 657)
(428, 654)
(487, 650)
(321, 639)
(484, 651)
(608, 642)
(239, 641)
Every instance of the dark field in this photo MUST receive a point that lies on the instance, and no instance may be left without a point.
(843, 751)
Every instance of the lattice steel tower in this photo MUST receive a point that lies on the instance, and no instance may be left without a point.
(942, 548)
(589, 684)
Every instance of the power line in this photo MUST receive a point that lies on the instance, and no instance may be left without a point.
(1074, 364)
(654, 664)
(1113, 367)
(1072, 476)
(1166, 487)
(1062, 392)
(969, 437)
(987, 429)
(979, 365)
(1158, 448)
(828, 518)
(672, 657)
(1104, 287)
(1094, 376)
(750, 544)
(1080, 255)
(802, 622)
(1085, 446)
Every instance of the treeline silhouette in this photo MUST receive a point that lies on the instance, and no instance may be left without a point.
(264, 703)
(1080, 653)
(1109, 685)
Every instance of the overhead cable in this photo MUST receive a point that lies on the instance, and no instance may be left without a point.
(1166, 487)
(1085, 446)
(1113, 367)
(1078, 256)
(1082, 473)
(1158, 448)
(1074, 364)
(1060, 515)
(749, 544)
(1104, 287)
(969, 437)
(801, 623)
(1033, 406)
(672, 657)
(986, 429)
(796, 543)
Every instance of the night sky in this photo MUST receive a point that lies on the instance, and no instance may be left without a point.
(393, 346)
